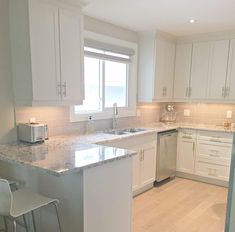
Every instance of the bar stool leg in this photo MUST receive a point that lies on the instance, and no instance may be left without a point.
(57, 214)
(5, 224)
(14, 226)
(34, 223)
(25, 224)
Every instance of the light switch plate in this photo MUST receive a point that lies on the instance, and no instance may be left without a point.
(187, 112)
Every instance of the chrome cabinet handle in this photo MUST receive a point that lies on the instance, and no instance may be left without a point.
(58, 89)
(190, 92)
(215, 140)
(223, 92)
(187, 137)
(187, 92)
(214, 155)
(64, 85)
(227, 92)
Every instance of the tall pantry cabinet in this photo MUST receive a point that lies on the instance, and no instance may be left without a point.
(47, 52)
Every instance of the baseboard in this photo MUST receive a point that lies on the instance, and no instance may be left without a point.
(202, 179)
(142, 190)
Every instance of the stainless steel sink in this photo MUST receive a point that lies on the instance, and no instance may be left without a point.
(125, 131)
(134, 130)
(116, 132)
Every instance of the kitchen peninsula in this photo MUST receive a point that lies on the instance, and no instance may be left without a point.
(92, 182)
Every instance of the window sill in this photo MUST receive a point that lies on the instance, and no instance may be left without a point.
(100, 116)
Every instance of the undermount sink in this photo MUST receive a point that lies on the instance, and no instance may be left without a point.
(116, 132)
(125, 131)
(134, 130)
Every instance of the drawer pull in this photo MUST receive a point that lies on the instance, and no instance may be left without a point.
(214, 151)
(214, 155)
(187, 137)
(215, 140)
(212, 172)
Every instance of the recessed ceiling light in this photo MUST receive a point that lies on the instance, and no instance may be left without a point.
(192, 21)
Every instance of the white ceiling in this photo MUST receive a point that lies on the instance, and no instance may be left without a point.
(167, 15)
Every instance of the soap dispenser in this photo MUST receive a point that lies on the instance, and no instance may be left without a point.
(90, 125)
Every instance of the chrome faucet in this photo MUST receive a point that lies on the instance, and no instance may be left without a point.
(115, 114)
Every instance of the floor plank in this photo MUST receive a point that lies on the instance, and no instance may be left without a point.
(181, 205)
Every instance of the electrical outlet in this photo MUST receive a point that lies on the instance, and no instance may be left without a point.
(187, 113)
(229, 114)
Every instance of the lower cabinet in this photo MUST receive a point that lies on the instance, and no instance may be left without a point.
(144, 171)
(213, 157)
(205, 154)
(144, 163)
(186, 152)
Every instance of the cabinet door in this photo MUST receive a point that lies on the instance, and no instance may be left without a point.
(218, 69)
(136, 172)
(44, 50)
(186, 155)
(182, 70)
(200, 69)
(148, 165)
(71, 49)
(231, 72)
(164, 73)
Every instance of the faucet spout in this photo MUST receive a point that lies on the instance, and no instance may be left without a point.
(115, 114)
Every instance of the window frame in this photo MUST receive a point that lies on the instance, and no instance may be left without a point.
(106, 113)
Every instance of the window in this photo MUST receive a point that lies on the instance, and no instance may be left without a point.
(109, 72)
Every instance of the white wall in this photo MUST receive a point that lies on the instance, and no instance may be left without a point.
(7, 131)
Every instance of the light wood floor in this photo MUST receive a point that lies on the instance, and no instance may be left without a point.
(181, 206)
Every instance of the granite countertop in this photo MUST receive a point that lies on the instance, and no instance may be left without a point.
(72, 153)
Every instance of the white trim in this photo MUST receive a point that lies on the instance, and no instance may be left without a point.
(132, 85)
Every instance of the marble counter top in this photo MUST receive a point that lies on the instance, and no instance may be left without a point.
(207, 127)
(62, 154)
(73, 153)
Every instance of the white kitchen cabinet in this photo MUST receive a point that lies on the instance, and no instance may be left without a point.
(213, 156)
(218, 69)
(144, 163)
(136, 170)
(164, 72)
(199, 72)
(186, 149)
(47, 53)
(182, 70)
(156, 67)
(230, 90)
(148, 164)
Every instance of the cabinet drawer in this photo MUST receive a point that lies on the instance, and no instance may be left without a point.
(215, 171)
(219, 137)
(213, 151)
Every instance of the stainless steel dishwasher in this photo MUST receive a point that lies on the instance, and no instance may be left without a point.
(166, 154)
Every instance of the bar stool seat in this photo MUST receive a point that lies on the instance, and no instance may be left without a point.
(21, 202)
(24, 202)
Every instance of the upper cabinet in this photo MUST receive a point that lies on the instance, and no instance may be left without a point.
(204, 71)
(199, 70)
(182, 70)
(219, 51)
(47, 53)
(156, 67)
(230, 83)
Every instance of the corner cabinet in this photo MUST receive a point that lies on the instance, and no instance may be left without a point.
(47, 53)
(156, 67)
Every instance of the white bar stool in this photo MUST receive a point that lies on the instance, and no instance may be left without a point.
(21, 202)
